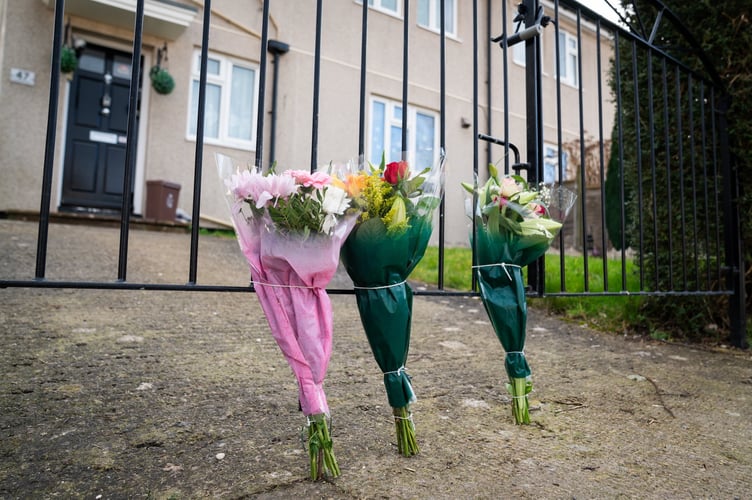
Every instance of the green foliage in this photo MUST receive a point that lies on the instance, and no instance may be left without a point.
(614, 200)
(298, 214)
(669, 125)
(660, 315)
(612, 313)
(457, 268)
(161, 80)
(608, 313)
(68, 59)
(218, 232)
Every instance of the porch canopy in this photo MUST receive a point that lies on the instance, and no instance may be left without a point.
(165, 19)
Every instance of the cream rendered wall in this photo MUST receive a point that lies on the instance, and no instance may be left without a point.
(171, 154)
(570, 95)
(23, 127)
(340, 80)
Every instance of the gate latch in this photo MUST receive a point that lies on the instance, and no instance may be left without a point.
(518, 36)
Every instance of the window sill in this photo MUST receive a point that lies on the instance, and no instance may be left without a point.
(241, 146)
(449, 36)
(386, 12)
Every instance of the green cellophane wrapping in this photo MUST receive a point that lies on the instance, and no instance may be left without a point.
(379, 263)
(501, 256)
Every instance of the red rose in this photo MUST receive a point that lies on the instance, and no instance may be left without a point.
(395, 172)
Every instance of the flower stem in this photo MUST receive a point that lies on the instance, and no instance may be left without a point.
(320, 452)
(519, 388)
(407, 445)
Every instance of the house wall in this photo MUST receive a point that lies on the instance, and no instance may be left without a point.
(22, 129)
(340, 81)
(171, 155)
(167, 154)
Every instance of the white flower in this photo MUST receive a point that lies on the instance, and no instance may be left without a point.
(328, 225)
(335, 201)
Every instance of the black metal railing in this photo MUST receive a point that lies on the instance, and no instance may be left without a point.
(669, 149)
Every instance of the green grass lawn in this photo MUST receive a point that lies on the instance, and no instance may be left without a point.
(607, 312)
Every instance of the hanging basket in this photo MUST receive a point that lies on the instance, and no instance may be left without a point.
(161, 80)
(68, 59)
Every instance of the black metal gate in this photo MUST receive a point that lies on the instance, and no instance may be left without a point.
(669, 146)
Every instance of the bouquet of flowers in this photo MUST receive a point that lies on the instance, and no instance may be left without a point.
(515, 225)
(389, 239)
(290, 227)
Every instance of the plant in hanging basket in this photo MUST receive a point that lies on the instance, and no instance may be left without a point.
(161, 80)
(68, 60)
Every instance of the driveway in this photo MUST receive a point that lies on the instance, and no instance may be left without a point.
(177, 394)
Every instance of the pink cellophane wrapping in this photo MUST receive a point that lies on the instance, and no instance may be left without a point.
(290, 274)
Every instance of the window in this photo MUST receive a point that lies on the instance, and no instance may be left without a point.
(551, 164)
(389, 6)
(386, 133)
(567, 64)
(518, 50)
(92, 60)
(429, 15)
(231, 95)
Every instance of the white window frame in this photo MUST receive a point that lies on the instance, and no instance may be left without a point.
(434, 15)
(571, 58)
(224, 80)
(551, 157)
(518, 50)
(391, 119)
(378, 5)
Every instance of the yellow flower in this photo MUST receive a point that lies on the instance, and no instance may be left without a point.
(336, 181)
(396, 218)
(374, 196)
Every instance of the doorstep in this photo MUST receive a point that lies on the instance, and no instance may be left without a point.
(97, 219)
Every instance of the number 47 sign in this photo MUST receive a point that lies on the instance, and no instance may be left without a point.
(22, 76)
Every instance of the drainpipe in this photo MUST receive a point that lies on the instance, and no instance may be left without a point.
(276, 48)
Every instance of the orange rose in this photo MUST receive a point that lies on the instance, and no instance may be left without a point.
(354, 184)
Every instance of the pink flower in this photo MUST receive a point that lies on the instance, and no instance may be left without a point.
(499, 200)
(509, 187)
(241, 184)
(317, 180)
(276, 186)
(259, 189)
(537, 209)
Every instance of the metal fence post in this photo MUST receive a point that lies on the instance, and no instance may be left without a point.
(49, 150)
(733, 240)
(534, 99)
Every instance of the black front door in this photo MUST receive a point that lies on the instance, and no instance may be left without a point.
(97, 131)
